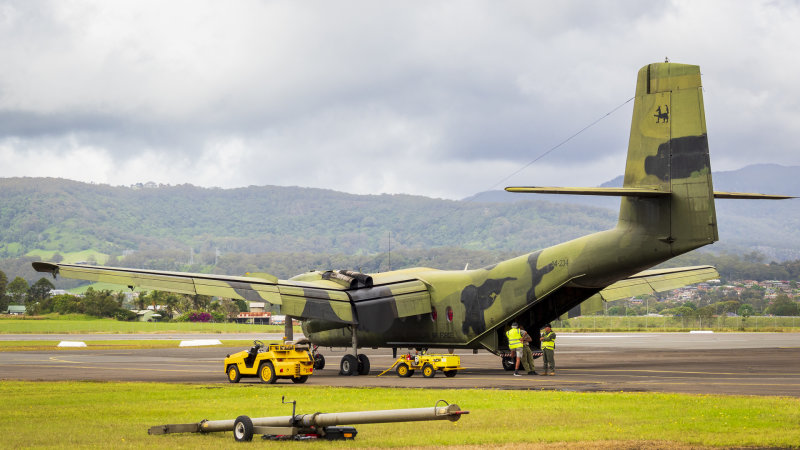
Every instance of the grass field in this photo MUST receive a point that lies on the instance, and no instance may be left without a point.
(54, 323)
(680, 324)
(29, 346)
(91, 414)
(70, 257)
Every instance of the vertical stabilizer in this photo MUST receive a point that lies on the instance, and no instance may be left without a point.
(668, 151)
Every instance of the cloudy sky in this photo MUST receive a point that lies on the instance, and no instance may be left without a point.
(438, 98)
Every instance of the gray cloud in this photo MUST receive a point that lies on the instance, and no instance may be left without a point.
(435, 98)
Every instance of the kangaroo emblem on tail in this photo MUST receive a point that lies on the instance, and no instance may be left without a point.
(662, 116)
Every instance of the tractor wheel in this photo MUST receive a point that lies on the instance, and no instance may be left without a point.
(233, 374)
(319, 362)
(300, 380)
(428, 371)
(267, 372)
(363, 365)
(403, 370)
(348, 365)
(450, 373)
(243, 429)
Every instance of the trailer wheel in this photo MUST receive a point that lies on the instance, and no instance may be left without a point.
(428, 371)
(267, 372)
(300, 380)
(403, 370)
(243, 429)
(233, 374)
(363, 365)
(348, 365)
(319, 361)
(450, 373)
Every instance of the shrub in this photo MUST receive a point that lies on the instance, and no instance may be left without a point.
(196, 316)
(125, 315)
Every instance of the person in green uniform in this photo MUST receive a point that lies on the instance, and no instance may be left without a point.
(515, 344)
(548, 350)
(527, 353)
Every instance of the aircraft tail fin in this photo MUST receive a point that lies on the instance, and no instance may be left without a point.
(667, 192)
(668, 152)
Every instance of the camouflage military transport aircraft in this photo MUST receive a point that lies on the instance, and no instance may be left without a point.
(667, 208)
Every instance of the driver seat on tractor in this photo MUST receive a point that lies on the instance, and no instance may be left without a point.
(251, 355)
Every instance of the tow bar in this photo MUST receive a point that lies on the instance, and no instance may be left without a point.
(312, 426)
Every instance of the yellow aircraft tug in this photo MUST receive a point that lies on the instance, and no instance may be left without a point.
(405, 365)
(270, 361)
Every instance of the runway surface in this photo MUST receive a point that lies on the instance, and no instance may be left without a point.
(723, 363)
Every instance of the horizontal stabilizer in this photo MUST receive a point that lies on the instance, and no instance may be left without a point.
(612, 192)
(634, 192)
(749, 196)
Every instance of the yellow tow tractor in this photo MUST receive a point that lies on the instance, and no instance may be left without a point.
(428, 363)
(270, 361)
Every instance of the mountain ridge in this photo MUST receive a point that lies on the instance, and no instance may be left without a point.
(65, 216)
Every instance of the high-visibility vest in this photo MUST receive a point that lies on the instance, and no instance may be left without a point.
(514, 338)
(551, 344)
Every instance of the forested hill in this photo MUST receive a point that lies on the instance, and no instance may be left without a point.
(69, 216)
(254, 228)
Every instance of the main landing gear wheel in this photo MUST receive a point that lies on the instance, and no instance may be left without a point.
(428, 371)
(300, 380)
(509, 362)
(363, 365)
(319, 361)
(267, 372)
(233, 374)
(243, 429)
(349, 365)
(450, 373)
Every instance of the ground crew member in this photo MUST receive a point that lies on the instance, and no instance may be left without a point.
(548, 350)
(515, 344)
(527, 353)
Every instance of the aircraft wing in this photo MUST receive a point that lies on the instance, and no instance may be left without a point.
(648, 282)
(316, 298)
(658, 280)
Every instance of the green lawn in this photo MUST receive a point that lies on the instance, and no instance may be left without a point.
(677, 324)
(28, 346)
(82, 324)
(92, 414)
(70, 257)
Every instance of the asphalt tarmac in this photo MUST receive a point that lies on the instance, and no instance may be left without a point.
(720, 363)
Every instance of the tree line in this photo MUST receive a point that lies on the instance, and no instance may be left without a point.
(69, 216)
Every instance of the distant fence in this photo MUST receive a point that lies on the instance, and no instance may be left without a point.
(669, 323)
